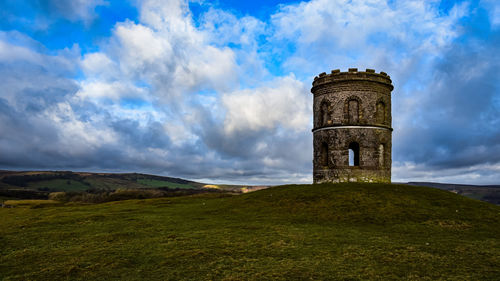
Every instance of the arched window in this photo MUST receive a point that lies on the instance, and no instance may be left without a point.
(324, 154)
(323, 114)
(353, 111)
(353, 154)
(381, 149)
(380, 115)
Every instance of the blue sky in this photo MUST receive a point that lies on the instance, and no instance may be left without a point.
(219, 91)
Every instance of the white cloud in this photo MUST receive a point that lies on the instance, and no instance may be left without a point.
(354, 23)
(111, 90)
(223, 28)
(377, 33)
(244, 35)
(140, 47)
(78, 138)
(168, 15)
(99, 66)
(207, 68)
(286, 103)
(166, 52)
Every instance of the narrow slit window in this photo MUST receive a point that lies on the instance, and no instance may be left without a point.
(353, 154)
(324, 114)
(324, 154)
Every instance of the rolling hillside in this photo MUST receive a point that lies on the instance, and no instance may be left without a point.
(300, 232)
(39, 184)
(80, 181)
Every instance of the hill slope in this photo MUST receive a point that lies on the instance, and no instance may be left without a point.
(39, 184)
(486, 193)
(342, 231)
(80, 181)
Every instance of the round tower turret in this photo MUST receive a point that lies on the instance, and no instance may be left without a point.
(352, 133)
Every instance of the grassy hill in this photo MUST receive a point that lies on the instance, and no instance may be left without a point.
(39, 185)
(81, 181)
(318, 232)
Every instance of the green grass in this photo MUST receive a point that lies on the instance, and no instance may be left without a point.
(160, 183)
(303, 232)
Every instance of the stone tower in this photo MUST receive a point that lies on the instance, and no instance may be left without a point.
(352, 134)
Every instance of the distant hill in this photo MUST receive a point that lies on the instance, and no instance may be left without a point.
(295, 232)
(39, 184)
(79, 181)
(487, 193)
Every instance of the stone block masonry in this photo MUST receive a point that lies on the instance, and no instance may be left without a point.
(352, 133)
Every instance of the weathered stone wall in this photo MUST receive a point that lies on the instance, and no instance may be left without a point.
(352, 110)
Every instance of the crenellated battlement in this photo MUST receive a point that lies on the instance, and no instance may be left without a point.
(353, 74)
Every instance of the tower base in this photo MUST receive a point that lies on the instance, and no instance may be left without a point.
(351, 174)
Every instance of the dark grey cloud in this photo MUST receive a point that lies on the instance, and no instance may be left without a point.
(457, 121)
(152, 135)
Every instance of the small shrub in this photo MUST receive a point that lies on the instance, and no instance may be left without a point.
(58, 196)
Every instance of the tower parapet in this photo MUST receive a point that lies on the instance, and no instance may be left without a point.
(352, 133)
